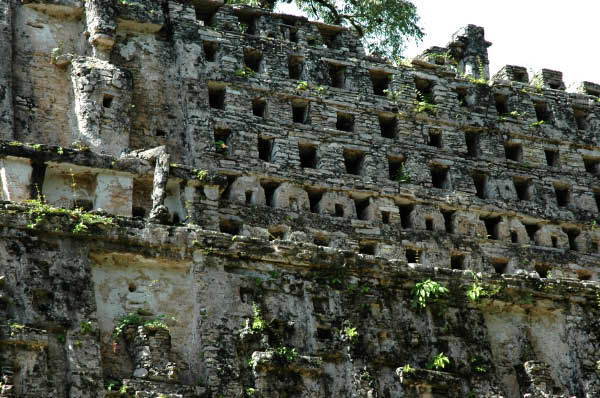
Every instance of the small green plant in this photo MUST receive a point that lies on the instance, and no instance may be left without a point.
(402, 176)
(302, 85)
(86, 327)
(476, 291)
(425, 103)
(61, 338)
(286, 353)
(536, 124)
(250, 362)
(36, 147)
(245, 72)
(220, 147)
(123, 389)
(477, 366)
(258, 324)
(438, 362)
(515, 114)
(407, 369)
(350, 333)
(60, 150)
(249, 392)
(110, 386)
(15, 143)
(426, 291)
(320, 89)
(15, 328)
(201, 174)
(133, 319)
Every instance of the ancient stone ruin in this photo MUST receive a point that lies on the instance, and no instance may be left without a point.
(205, 200)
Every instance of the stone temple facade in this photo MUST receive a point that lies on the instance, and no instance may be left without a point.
(204, 200)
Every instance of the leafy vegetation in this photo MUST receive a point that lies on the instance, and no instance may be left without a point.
(133, 319)
(427, 291)
(258, 324)
(438, 362)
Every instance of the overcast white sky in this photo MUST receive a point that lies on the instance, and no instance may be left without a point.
(553, 34)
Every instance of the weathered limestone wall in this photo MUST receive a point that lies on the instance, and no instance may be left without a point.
(223, 202)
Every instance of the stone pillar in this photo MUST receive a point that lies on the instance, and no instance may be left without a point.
(149, 348)
(469, 48)
(102, 102)
(114, 193)
(6, 95)
(101, 25)
(15, 178)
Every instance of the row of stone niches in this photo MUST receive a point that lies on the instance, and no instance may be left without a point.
(248, 190)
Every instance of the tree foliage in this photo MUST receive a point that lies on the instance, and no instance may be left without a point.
(383, 25)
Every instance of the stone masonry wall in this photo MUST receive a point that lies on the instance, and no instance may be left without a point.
(205, 200)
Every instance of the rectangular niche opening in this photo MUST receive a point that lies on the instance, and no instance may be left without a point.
(269, 187)
(531, 231)
(395, 167)
(435, 138)
(524, 188)
(337, 75)
(554, 240)
(354, 161)
(277, 232)
(501, 104)
(259, 107)
(513, 151)
(367, 248)
(314, 197)
(361, 205)
(265, 148)
(543, 270)
(552, 158)
(457, 261)
(222, 136)
(461, 96)
(581, 118)
(295, 67)
(500, 265)
(210, 50)
(447, 214)
(429, 223)
(249, 197)
(380, 81)
(491, 226)
(542, 112)
(300, 111)
(406, 215)
(584, 275)
(424, 90)
(321, 240)
(592, 165)
(229, 226)
(440, 177)
(339, 210)
(345, 122)
(216, 96)
(514, 237)
(480, 180)
(563, 195)
(308, 155)
(253, 59)
(107, 100)
(572, 233)
(247, 23)
(473, 146)
(387, 125)
(385, 217)
(413, 255)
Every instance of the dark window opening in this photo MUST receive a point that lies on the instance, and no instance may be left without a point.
(107, 100)
(160, 133)
(314, 197)
(461, 95)
(210, 50)
(337, 75)
(472, 142)
(388, 124)
(595, 246)
(580, 118)
(345, 122)
(385, 217)
(491, 227)
(583, 275)
(277, 233)
(354, 161)
(300, 111)
(501, 104)
(440, 177)
(249, 195)
(563, 195)
(361, 208)
(396, 168)
(424, 90)
(554, 242)
(531, 231)
(269, 187)
(448, 221)
(321, 240)
(295, 67)
(520, 76)
(429, 224)
(138, 212)
(406, 216)
(176, 219)
(514, 237)
(294, 35)
(229, 227)
(597, 199)
(457, 261)
(330, 39)
(259, 106)
(551, 157)
(413, 256)
(381, 82)
(253, 59)
(543, 270)
(324, 334)
(216, 96)
(247, 24)
(84, 204)
(265, 148)
(524, 188)
(500, 265)
(367, 248)
(339, 210)
(542, 113)
(573, 234)
(308, 155)
(513, 151)
(435, 139)
(480, 180)
(222, 137)
(592, 165)
(206, 15)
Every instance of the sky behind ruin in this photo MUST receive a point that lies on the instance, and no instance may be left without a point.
(553, 34)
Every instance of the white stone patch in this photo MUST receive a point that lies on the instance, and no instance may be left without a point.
(114, 193)
(15, 177)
